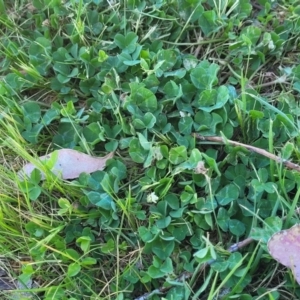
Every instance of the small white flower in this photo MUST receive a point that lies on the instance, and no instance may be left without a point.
(152, 198)
(157, 153)
(271, 45)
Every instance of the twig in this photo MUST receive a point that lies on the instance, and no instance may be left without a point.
(260, 151)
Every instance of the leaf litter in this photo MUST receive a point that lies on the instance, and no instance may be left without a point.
(69, 164)
(284, 246)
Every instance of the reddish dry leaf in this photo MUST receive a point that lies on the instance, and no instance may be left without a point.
(284, 246)
(70, 164)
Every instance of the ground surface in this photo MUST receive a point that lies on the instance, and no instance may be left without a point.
(151, 81)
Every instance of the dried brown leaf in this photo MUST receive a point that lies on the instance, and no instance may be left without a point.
(284, 246)
(70, 164)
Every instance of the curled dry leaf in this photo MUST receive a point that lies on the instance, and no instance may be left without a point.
(284, 246)
(200, 168)
(70, 164)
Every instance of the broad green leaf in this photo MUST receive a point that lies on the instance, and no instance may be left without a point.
(65, 206)
(64, 203)
(138, 124)
(50, 115)
(287, 150)
(227, 194)
(190, 10)
(178, 155)
(206, 123)
(93, 133)
(68, 110)
(131, 62)
(204, 76)
(40, 54)
(185, 125)
(209, 100)
(117, 168)
(127, 42)
(142, 97)
(73, 269)
(180, 73)
(34, 230)
(255, 114)
(172, 200)
(149, 120)
(32, 134)
(35, 176)
(271, 225)
(137, 152)
(178, 214)
(102, 56)
(223, 219)
(145, 234)
(89, 85)
(155, 272)
(204, 255)
(236, 227)
(270, 187)
(195, 157)
(62, 78)
(252, 33)
(208, 22)
(85, 54)
(144, 142)
(180, 232)
(167, 266)
(243, 9)
(111, 132)
(85, 243)
(38, 4)
(102, 200)
(168, 57)
(212, 163)
(108, 247)
(162, 249)
(62, 68)
(34, 192)
(70, 253)
(164, 222)
(263, 175)
(88, 261)
(163, 187)
(234, 259)
(259, 186)
(220, 266)
(172, 90)
(186, 197)
(160, 208)
(32, 111)
(190, 62)
(12, 83)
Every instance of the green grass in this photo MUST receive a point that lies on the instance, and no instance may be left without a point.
(140, 78)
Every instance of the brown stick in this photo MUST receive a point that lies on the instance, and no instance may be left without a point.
(260, 151)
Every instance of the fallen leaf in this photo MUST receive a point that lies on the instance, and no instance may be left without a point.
(284, 246)
(69, 164)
